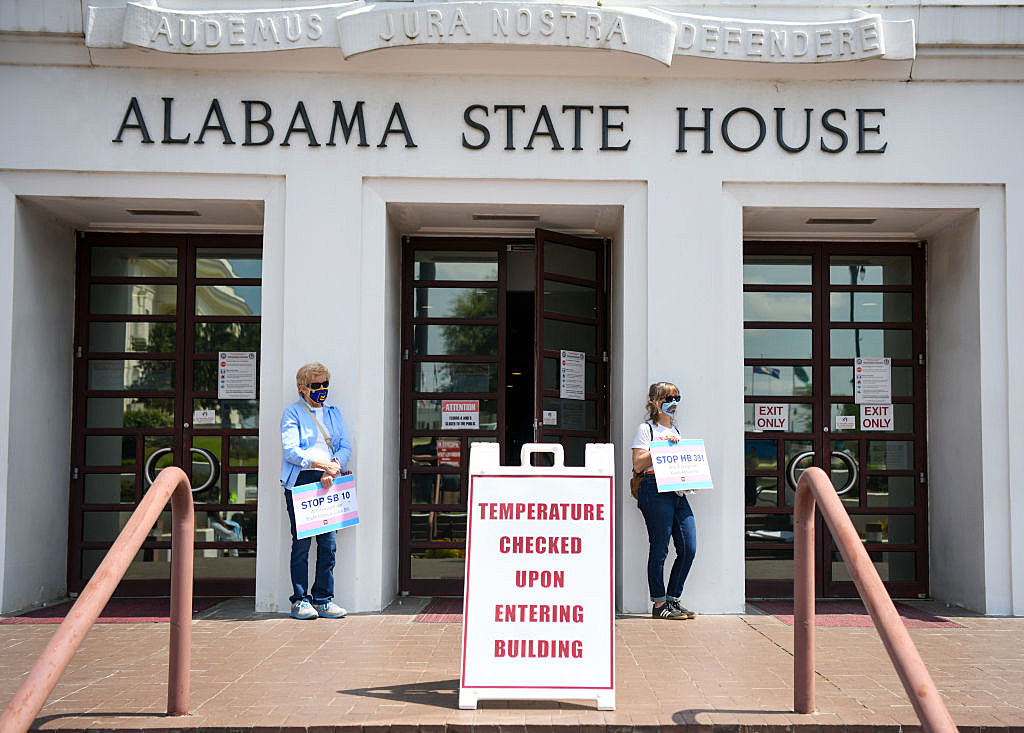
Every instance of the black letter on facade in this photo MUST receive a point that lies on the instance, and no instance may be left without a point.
(606, 126)
(509, 110)
(577, 113)
(683, 129)
(832, 128)
(550, 130)
(346, 127)
(862, 130)
(168, 136)
(779, 112)
(761, 129)
(264, 120)
(140, 124)
(467, 116)
(300, 110)
(396, 112)
(221, 125)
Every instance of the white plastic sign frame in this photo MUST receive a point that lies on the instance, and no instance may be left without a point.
(539, 600)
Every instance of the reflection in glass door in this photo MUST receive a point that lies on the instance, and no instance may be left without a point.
(810, 311)
(483, 325)
(153, 313)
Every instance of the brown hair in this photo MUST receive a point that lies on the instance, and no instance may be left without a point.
(655, 396)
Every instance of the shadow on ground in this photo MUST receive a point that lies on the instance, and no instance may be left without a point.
(445, 694)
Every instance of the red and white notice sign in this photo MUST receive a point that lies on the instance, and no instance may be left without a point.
(539, 603)
(449, 452)
(460, 414)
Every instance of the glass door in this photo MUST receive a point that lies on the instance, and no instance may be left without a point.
(811, 312)
(154, 313)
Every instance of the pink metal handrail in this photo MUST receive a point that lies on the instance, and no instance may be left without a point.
(814, 485)
(171, 483)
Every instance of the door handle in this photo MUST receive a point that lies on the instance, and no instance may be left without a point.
(844, 457)
(210, 458)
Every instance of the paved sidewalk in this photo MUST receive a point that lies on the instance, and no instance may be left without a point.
(369, 673)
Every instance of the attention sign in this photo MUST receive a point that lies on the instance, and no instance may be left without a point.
(539, 605)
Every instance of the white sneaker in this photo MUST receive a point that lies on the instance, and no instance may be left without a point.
(330, 610)
(303, 610)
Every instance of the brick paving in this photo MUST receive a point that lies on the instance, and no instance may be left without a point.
(382, 673)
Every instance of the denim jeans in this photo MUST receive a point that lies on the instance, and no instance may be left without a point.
(667, 515)
(326, 546)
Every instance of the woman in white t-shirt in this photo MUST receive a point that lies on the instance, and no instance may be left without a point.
(667, 514)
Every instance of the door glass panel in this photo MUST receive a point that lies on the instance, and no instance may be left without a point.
(133, 300)
(888, 529)
(770, 528)
(109, 488)
(455, 265)
(203, 472)
(137, 336)
(860, 306)
(572, 414)
(152, 444)
(129, 412)
(110, 450)
(437, 563)
(244, 450)
(777, 381)
(898, 567)
(767, 564)
(869, 270)
(212, 337)
(228, 300)
(890, 455)
(849, 343)
(570, 336)
(551, 375)
(427, 415)
(229, 262)
(794, 448)
(243, 488)
(841, 381)
(777, 307)
(839, 471)
(439, 376)
(903, 417)
(777, 343)
(436, 488)
(776, 270)
(801, 417)
(455, 303)
(437, 526)
(573, 300)
(455, 339)
(434, 451)
(234, 414)
(131, 374)
(761, 491)
(891, 491)
(133, 261)
(564, 259)
(761, 455)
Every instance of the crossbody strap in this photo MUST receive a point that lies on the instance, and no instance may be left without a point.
(327, 438)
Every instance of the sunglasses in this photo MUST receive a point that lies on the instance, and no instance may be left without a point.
(319, 385)
(670, 398)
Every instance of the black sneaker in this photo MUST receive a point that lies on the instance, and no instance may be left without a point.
(667, 610)
(686, 612)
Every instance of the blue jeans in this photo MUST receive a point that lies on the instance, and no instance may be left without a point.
(326, 546)
(667, 515)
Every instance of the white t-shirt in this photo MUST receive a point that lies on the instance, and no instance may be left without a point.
(320, 449)
(642, 437)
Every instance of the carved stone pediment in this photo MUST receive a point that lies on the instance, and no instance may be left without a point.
(358, 27)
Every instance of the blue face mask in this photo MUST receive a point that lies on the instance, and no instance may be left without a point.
(318, 396)
(669, 407)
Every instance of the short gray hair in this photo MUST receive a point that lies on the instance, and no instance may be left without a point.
(307, 371)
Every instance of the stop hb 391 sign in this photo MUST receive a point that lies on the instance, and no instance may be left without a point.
(539, 603)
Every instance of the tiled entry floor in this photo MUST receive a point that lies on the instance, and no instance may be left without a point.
(369, 672)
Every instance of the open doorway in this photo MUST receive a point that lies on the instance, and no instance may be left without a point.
(503, 340)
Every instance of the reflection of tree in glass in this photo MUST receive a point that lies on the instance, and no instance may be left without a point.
(147, 419)
(227, 337)
(154, 374)
(472, 339)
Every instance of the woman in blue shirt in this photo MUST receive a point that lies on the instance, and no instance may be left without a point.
(315, 447)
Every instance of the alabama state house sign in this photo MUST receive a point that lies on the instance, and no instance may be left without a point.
(358, 27)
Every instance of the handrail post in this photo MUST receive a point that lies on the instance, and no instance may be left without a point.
(815, 489)
(171, 483)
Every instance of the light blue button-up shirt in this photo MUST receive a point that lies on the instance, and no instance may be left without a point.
(298, 438)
